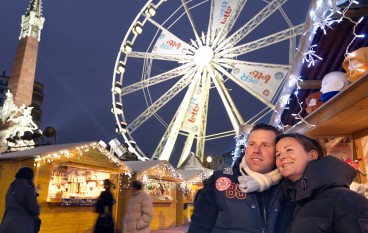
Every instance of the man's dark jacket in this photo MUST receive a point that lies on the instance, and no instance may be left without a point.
(233, 211)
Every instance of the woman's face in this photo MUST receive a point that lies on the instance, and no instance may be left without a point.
(292, 159)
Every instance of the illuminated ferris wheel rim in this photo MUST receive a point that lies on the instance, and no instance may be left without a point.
(206, 57)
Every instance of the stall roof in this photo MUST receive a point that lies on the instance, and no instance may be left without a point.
(192, 162)
(39, 151)
(190, 174)
(141, 166)
(46, 153)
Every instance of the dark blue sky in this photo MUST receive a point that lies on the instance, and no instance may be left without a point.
(77, 52)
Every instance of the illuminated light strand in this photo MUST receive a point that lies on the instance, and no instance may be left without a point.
(309, 57)
(240, 140)
(297, 116)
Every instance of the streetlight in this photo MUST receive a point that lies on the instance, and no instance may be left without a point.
(209, 160)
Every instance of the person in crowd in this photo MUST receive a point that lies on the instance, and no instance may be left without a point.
(105, 223)
(21, 204)
(198, 192)
(139, 211)
(319, 185)
(246, 197)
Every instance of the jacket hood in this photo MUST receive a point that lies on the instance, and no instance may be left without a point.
(320, 174)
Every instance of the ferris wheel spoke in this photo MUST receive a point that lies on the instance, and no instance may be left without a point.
(233, 62)
(167, 31)
(242, 85)
(231, 109)
(250, 25)
(157, 56)
(159, 103)
(156, 79)
(191, 20)
(228, 25)
(257, 44)
(164, 149)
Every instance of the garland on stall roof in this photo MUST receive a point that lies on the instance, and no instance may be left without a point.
(320, 18)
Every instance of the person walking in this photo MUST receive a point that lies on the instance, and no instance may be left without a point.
(21, 204)
(246, 197)
(139, 211)
(105, 222)
(319, 185)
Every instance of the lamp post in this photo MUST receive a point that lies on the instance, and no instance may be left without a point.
(209, 160)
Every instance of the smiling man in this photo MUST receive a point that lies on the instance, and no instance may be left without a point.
(246, 197)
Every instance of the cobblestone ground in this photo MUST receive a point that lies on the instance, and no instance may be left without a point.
(179, 229)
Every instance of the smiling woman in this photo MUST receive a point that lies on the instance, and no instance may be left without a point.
(319, 186)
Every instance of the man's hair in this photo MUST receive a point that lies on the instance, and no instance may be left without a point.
(308, 143)
(137, 185)
(264, 126)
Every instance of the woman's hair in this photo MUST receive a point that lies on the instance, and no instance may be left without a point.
(308, 143)
(25, 173)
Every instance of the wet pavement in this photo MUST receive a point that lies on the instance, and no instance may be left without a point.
(178, 229)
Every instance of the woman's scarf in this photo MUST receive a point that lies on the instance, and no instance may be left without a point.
(251, 181)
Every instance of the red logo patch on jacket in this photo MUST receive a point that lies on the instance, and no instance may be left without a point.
(223, 183)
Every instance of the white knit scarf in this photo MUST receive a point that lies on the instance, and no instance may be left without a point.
(253, 181)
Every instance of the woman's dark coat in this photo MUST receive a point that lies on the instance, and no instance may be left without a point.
(324, 201)
(20, 212)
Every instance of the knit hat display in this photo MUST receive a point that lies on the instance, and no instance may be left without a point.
(251, 181)
(25, 173)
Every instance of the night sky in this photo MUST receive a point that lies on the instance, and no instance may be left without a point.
(77, 52)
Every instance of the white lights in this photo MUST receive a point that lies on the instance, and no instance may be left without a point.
(121, 68)
(128, 47)
(117, 109)
(150, 11)
(138, 28)
(121, 127)
(116, 89)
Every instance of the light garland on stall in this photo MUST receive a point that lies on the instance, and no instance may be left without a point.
(241, 141)
(320, 18)
(80, 151)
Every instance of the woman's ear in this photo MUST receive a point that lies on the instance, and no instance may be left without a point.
(313, 154)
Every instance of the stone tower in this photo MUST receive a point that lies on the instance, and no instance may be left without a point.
(22, 76)
(17, 128)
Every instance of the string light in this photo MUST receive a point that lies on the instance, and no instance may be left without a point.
(310, 55)
(241, 141)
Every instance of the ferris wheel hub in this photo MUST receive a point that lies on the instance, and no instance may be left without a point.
(203, 55)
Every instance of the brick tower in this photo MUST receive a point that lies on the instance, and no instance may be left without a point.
(22, 76)
(17, 127)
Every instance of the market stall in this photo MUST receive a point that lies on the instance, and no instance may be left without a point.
(160, 182)
(71, 178)
(334, 112)
(193, 181)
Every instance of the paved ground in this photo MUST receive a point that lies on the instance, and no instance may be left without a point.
(179, 229)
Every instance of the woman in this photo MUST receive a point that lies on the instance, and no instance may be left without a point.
(21, 204)
(105, 223)
(320, 187)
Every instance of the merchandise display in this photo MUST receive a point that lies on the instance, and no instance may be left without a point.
(75, 186)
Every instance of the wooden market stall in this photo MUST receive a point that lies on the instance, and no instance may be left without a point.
(160, 182)
(70, 176)
(193, 181)
(341, 123)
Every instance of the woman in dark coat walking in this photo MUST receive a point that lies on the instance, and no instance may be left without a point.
(320, 187)
(105, 223)
(21, 204)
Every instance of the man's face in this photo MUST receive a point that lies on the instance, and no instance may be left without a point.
(260, 151)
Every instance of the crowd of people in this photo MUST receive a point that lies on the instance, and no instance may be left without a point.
(282, 183)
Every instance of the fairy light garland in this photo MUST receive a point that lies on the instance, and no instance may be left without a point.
(80, 151)
(320, 17)
(241, 141)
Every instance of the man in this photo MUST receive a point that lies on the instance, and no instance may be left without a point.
(139, 211)
(246, 197)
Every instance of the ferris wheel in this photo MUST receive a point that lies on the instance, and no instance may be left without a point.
(180, 58)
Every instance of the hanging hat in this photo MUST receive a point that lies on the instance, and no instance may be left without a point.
(25, 173)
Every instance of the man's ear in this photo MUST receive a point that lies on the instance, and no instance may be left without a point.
(313, 154)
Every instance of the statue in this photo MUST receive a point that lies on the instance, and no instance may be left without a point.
(333, 83)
